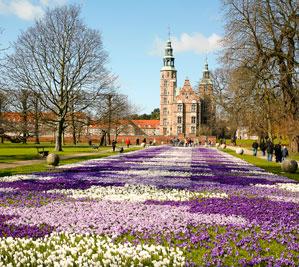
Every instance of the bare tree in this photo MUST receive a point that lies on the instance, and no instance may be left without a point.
(261, 37)
(62, 61)
(22, 105)
(114, 109)
(3, 109)
(36, 112)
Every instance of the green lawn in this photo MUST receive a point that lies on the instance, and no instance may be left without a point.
(272, 167)
(294, 156)
(15, 152)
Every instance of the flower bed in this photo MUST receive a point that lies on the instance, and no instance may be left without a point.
(162, 206)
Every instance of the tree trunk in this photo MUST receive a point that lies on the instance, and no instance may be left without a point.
(73, 129)
(102, 140)
(294, 143)
(36, 119)
(268, 118)
(109, 138)
(59, 133)
(36, 131)
(74, 136)
(25, 127)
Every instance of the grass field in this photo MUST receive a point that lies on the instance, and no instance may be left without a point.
(15, 152)
(272, 167)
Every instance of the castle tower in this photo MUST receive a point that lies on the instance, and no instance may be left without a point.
(206, 84)
(168, 83)
(208, 108)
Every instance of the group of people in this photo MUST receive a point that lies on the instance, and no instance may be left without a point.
(268, 147)
(128, 143)
(188, 142)
(185, 142)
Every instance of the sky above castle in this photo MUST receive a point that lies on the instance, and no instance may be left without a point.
(134, 34)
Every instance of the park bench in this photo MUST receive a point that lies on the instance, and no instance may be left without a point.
(42, 152)
(95, 147)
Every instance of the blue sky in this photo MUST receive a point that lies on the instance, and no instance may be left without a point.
(134, 33)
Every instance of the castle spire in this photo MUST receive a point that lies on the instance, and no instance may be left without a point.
(206, 64)
(206, 73)
(168, 59)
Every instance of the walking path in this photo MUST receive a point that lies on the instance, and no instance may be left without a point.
(248, 151)
(40, 161)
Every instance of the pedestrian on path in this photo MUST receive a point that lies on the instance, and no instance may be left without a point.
(278, 153)
(284, 152)
(269, 150)
(255, 146)
(128, 142)
(263, 147)
(113, 145)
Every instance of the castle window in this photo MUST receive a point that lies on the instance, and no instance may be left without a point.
(165, 100)
(193, 129)
(164, 131)
(180, 107)
(193, 119)
(179, 119)
(165, 91)
(179, 129)
(164, 111)
(193, 107)
(164, 122)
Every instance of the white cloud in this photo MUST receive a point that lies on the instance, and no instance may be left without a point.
(196, 43)
(26, 9)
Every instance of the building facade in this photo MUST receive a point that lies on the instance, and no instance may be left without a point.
(184, 112)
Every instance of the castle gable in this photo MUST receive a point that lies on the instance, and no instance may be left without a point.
(186, 94)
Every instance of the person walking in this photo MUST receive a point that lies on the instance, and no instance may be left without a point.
(284, 152)
(113, 145)
(263, 147)
(278, 153)
(269, 150)
(255, 146)
(128, 142)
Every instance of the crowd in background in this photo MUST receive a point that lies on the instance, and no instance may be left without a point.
(280, 152)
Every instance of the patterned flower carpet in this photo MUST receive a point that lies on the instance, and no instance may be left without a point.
(161, 206)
